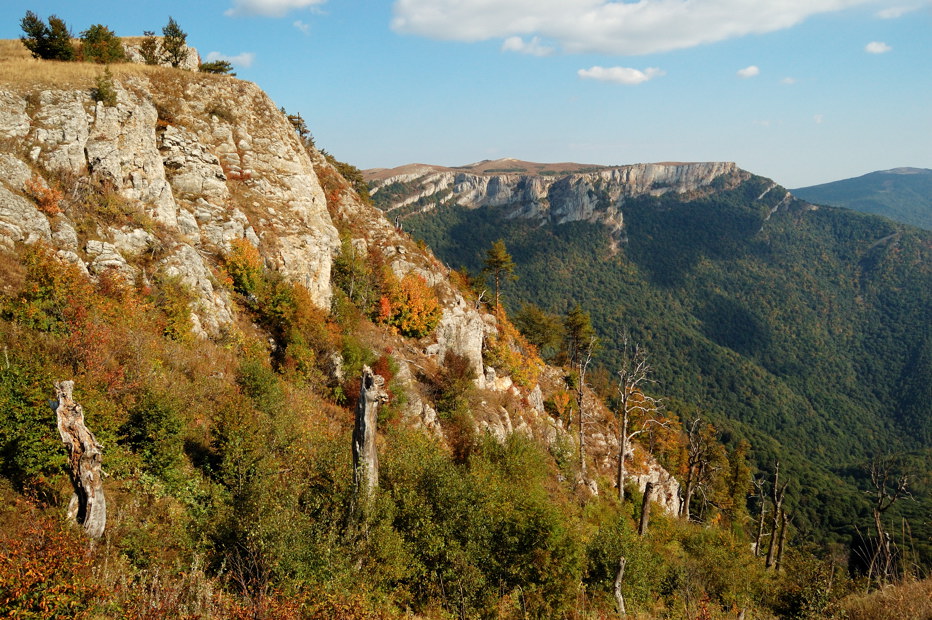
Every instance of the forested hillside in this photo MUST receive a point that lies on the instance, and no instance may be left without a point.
(806, 330)
(902, 194)
(285, 407)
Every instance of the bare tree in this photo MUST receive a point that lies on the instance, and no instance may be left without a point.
(633, 376)
(582, 365)
(700, 457)
(888, 485)
(619, 597)
(759, 486)
(784, 525)
(777, 495)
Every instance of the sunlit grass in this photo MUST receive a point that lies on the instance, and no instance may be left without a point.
(20, 71)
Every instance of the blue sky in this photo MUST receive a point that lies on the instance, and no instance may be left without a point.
(802, 91)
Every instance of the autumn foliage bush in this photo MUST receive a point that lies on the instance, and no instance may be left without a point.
(47, 198)
(409, 305)
(44, 571)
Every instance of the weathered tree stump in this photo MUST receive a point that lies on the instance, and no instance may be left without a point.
(645, 509)
(365, 456)
(87, 507)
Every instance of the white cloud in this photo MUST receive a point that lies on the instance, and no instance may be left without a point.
(818, 118)
(268, 8)
(240, 60)
(749, 72)
(877, 47)
(532, 47)
(789, 81)
(301, 26)
(895, 12)
(620, 75)
(605, 26)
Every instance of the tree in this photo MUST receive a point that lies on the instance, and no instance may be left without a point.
(101, 45)
(542, 329)
(220, 67)
(49, 42)
(577, 333)
(499, 265)
(738, 484)
(581, 343)
(174, 47)
(888, 485)
(149, 48)
(633, 375)
(704, 456)
(777, 495)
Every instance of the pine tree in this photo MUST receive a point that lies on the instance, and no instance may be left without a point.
(499, 265)
(49, 42)
(174, 47)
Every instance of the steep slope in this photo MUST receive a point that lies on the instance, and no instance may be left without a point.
(901, 194)
(802, 325)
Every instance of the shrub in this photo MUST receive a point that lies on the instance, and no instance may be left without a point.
(154, 431)
(104, 89)
(99, 44)
(44, 572)
(410, 306)
(219, 67)
(30, 450)
(245, 266)
(48, 199)
(149, 48)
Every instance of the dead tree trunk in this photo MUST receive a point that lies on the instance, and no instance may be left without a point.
(777, 495)
(622, 454)
(365, 456)
(759, 485)
(645, 509)
(784, 522)
(619, 597)
(87, 507)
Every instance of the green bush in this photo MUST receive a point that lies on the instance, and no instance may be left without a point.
(30, 449)
(101, 45)
(154, 430)
(104, 89)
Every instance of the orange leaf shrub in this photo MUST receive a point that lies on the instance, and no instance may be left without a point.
(47, 198)
(409, 305)
(511, 352)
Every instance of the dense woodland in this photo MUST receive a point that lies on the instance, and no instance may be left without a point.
(228, 464)
(806, 333)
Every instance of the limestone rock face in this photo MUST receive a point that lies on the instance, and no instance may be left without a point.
(595, 196)
(212, 310)
(666, 488)
(195, 162)
(20, 220)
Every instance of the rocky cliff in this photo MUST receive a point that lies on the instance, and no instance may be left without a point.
(556, 193)
(183, 165)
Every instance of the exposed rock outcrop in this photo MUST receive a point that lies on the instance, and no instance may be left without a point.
(191, 173)
(595, 195)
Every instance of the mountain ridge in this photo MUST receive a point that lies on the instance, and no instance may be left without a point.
(902, 194)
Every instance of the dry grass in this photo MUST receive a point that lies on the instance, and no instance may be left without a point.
(907, 601)
(20, 71)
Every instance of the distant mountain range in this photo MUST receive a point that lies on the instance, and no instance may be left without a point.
(901, 194)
